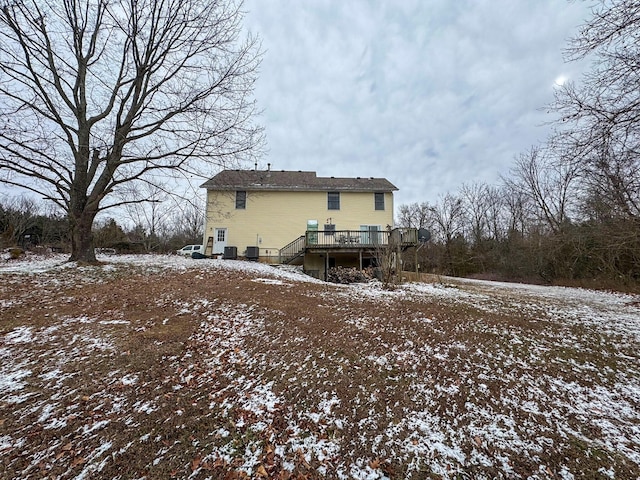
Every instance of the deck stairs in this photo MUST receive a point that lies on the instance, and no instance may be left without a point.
(293, 250)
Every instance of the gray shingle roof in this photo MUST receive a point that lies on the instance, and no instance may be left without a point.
(290, 180)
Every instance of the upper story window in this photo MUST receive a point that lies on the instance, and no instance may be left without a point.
(241, 199)
(333, 200)
(379, 200)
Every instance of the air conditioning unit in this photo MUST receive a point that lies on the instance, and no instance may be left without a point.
(253, 253)
(230, 253)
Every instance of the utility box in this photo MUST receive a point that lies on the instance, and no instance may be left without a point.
(230, 253)
(253, 253)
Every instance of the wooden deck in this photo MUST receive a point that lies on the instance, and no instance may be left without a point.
(348, 241)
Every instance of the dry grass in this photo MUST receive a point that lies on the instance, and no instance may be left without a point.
(131, 372)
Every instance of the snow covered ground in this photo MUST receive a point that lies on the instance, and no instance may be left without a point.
(282, 376)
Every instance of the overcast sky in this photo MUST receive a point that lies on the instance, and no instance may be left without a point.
(428, 94)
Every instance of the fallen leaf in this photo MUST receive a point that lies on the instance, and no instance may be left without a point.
(303, 460)
(478, 441)
(195, 463)
(375, 464)
(284, 475)
(260, 471)
(67, 447)
(77, 461)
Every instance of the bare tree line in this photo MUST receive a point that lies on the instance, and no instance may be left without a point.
(515, 231)
(569, 208)
(159, 227)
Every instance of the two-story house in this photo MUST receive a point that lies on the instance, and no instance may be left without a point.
(297, 217)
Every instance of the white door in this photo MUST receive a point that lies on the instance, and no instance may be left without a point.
(219, 240)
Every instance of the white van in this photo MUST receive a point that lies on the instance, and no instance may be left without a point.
(187, 250)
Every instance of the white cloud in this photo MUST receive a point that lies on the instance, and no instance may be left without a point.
(427, 94)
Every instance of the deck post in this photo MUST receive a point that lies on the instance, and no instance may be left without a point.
(326, 266)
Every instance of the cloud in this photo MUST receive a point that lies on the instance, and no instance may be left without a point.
(426, 94)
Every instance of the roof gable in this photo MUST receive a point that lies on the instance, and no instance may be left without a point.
(292, 180)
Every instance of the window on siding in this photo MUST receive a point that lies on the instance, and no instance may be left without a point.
(329, 228)
(241, 200)
(379, 200)
(333, 200)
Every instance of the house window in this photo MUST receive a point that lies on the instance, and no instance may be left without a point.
(333, 200)
(329, 229)
(221, 234)
(241, 200)
(379, 200)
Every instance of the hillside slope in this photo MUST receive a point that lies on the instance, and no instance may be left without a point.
(163, 367)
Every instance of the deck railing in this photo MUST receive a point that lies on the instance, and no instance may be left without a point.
(346, 239)
(360, 238)
(292, 250)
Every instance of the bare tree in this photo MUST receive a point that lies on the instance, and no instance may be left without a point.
(188, 222)
(476, 203)
(414, 215)
(496, 213)
(17, 216)
(612, 178)
(548, 182)
(448, 216)
(600, 118)
(517, 211)
(448, 220)
(95, 94)
(150, 213)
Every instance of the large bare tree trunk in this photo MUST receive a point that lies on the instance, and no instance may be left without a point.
(82, 237)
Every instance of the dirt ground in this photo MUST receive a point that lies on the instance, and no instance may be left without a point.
(179, 369)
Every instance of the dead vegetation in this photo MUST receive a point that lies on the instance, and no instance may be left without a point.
(206, 372)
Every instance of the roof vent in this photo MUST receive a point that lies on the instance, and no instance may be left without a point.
(358, 178)
(333, 176)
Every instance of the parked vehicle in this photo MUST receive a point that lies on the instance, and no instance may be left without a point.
(187, 250)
